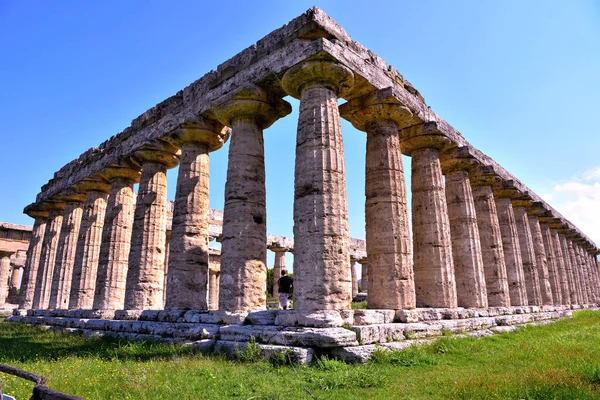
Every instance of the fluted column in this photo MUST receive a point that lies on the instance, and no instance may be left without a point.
(45, 271)
(32, 262)
(322, 278)
(214, 261)
(569, 270)
(244, 244)
(512, 252)
(492, 251)
(4, 274)
(466, 245)
(187, 283)
(386, 212)
(561, 266)
(435, 284)
(553, 271)
(116, 237)
(354, 275)
(145, 273)
(578, 270)
(85, 270)
(574, 268)
(65, 256)
(541, 261)
(278, 265)
(530, 269)
(588, 277)
(364, 274)
(14, 277)
(593, 263)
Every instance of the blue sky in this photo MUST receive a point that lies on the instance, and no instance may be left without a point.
(520, 80)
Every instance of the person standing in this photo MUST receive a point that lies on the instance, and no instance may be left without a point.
(285, 289)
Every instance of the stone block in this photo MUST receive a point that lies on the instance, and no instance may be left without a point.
(369, 317)
(354, 354)
(204, 345)
(80, 323)
(502, 329)
(407, 316)
(226, 317)
(128, 314)
(299, 355)
(314, 319)
(264, 317)
(421, 330)
(246, 333)
(170, 315)
(119, 326)
(314, 337)
(149, 315)
(347, 317)
(96, 324)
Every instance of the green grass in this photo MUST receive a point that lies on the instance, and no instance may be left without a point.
(555, 361)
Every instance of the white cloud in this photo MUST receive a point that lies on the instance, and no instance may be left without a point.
(579, 202)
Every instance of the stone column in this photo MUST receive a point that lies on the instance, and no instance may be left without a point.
(214, 271)
(65, 256)
(145, 273)
(435, 284)
(387, 227)
(322, 279)
(278, 265)
(45, 271)
(354, 275)
(243, 276)
(575, 268)
(187, 285)
(578, 270)
(553, 271)
(561, 266)
(593, 263)
(541, 260)
(85, 270)
(364, 274)
(530, 269)
(116, 236)
(589, 277)
(569, 270)
(466, 246)
(4, 274)
(166, 264)
(512, 251)
(32, 261)
(492, 252)
(14, 277)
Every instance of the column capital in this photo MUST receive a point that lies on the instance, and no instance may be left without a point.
(506, 189)
(35, 212)
(252, 103)
(458, 159)
(375, 107)
(321, 73)
(123, 170)
(485, 175)
(92, 185)
(72, 196)
(537, 209)
(159, 151)
(424, 136)
(208, 131)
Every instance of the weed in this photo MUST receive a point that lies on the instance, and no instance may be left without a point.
(359, 305)
(409, 334)
(251, 352)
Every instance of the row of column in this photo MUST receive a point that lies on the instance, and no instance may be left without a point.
(475, 244)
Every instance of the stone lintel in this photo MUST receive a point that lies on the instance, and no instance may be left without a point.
(379, 105)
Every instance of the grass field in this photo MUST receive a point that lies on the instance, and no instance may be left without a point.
(555, 361)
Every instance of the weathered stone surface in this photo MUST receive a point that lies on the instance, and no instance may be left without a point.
(562, 268)
(512, 252)
(45, 271)
(530, 268)
(321, 248)
(553, 272)
(116, 238)
(4, 275)
(145, 273)
(492, 252)
(368, 317)
(265, 317)
(65, 256)
(316, 319)
(296, 354)
(466, 246)
(364, 278)
(380, 333)
(32, 263)
(569, 270)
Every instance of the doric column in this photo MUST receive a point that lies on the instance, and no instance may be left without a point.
(4, 274)
(574, 268)
(14, 277)
(530, 268)
(569, 269)
(45, 271)
(166, 263)
(512, 250)
(278, 265)
(492, 251)
(187, 283)
(65, 256)
(85, 270)
(116, 236)
(540, 258)
(322, 278)
(386, 212)
(553, 272)
(32, 261)
(578, 269)
(561, 266)
(471, 289)
(244, 245)
(593, 263)
(435, 284)
(214, 271)
(146, 271)
(364, 274)
(589, 277)
(354, 275)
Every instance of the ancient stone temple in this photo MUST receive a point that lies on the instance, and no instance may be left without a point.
(485, 251)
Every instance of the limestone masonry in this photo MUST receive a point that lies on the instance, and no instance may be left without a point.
(485, 252)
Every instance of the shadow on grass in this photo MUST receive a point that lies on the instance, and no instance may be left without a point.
(22, 343)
